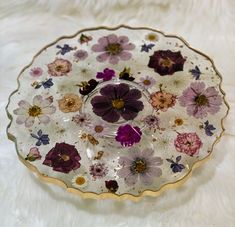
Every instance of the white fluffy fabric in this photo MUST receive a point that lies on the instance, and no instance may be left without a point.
(206, 199)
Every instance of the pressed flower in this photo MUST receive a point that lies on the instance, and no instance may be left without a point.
(70, 103)
(152, 37)
(40, 109)
(126, 74)
(146, 47)
(33, 154)
(151, 121)
(127, 135)
(98, 128)
(175, 165)
(111, 185)
(46, 84)
(79, 181)
(200, 100)
(142, 165)
(196, 72)
(63, 158)
(114, 48)
(85, 38)
(208, 128)
(162, 100)
(166, 62)
(163, 142)
(188, 143)
(80, 55)
(36, 72)
(106, 75)
(117, 101)
(147, 82)
(59, 67)
(82, 119)
(98, 170)
(64, 49)
(87, 87)
(41, 138)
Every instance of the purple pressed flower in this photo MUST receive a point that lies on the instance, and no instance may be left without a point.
(175, 165)
(63, 158)
(140, 165)
(80, 55)
(87, 87)
(147, 47)
(41, 138)
(46, 84)
(33, 154)
(106, 75)
(36, 72)
(127, 135)
(82, 119)
(209, 128)
(98, 170)
(64, 49)
(166, 62)
(117, 100)
(147, 82)
(196, 72)
(200, 100)
(151, 121)
(114, 48)
(112, 185)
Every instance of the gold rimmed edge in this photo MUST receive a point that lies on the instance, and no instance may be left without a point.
(107, 195)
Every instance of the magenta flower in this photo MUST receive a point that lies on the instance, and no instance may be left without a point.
(188, 143)
(98, 170)
(127, 135)
(113, 47)
(166, 62)
(200, 100)
(36, 72)
(117, 101)
(63, 158)
(33, 154)
(106, 75)
(140, 165)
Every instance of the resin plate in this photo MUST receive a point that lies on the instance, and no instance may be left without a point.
(117, 112)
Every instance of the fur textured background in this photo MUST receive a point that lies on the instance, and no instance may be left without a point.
(206, 199)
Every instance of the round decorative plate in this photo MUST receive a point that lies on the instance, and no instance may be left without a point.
(117, 112)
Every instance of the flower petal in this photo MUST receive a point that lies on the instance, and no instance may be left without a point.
(133, 94)
(21, 119)
(98, 48)
(29, 122)
(102, 57)
(24, 104)
(124, 55)
(123, 39)
(124, 172)
(20, 111)
(37, 100)
(44, 119)
(113, 59)
(146, 179)
(129, 46)
(49, 110)
(112, 116)
(112, 38)
(122, 90)
(131, 179)
(101, 102)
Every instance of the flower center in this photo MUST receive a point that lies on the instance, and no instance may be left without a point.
(34, 111)
(99, 128)
(58, 68)
(114, 48)
(65, 157)
(179, 121)
(166, 62)
(139, 166)
(80, 180)
(201, 100)
(70, 102)
(152, 37)
(146, 82)
(118, 103)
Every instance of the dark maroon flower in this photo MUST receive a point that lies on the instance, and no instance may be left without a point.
(128, 135)
(112, 185)
(106, 75)
(63, 158)
(87, 87)
(117, 100)
(166, 62)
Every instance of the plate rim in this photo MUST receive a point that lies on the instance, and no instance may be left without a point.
(109, 195)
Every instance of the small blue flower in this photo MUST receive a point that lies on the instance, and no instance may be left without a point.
(46, 84)
(208, 128)
(42, 138)
(65, 49)
(175, 166)
(196, 72)
(147, 47)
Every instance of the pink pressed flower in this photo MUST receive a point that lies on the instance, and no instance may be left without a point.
(188, 143)
(200, 100)
(80, 55)
(98, 170)
(33, 154)
(140, 165)
(127, 135)
(36, 72)
(114, 48)
(59, 67)
(40, 109)
(147, 82)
